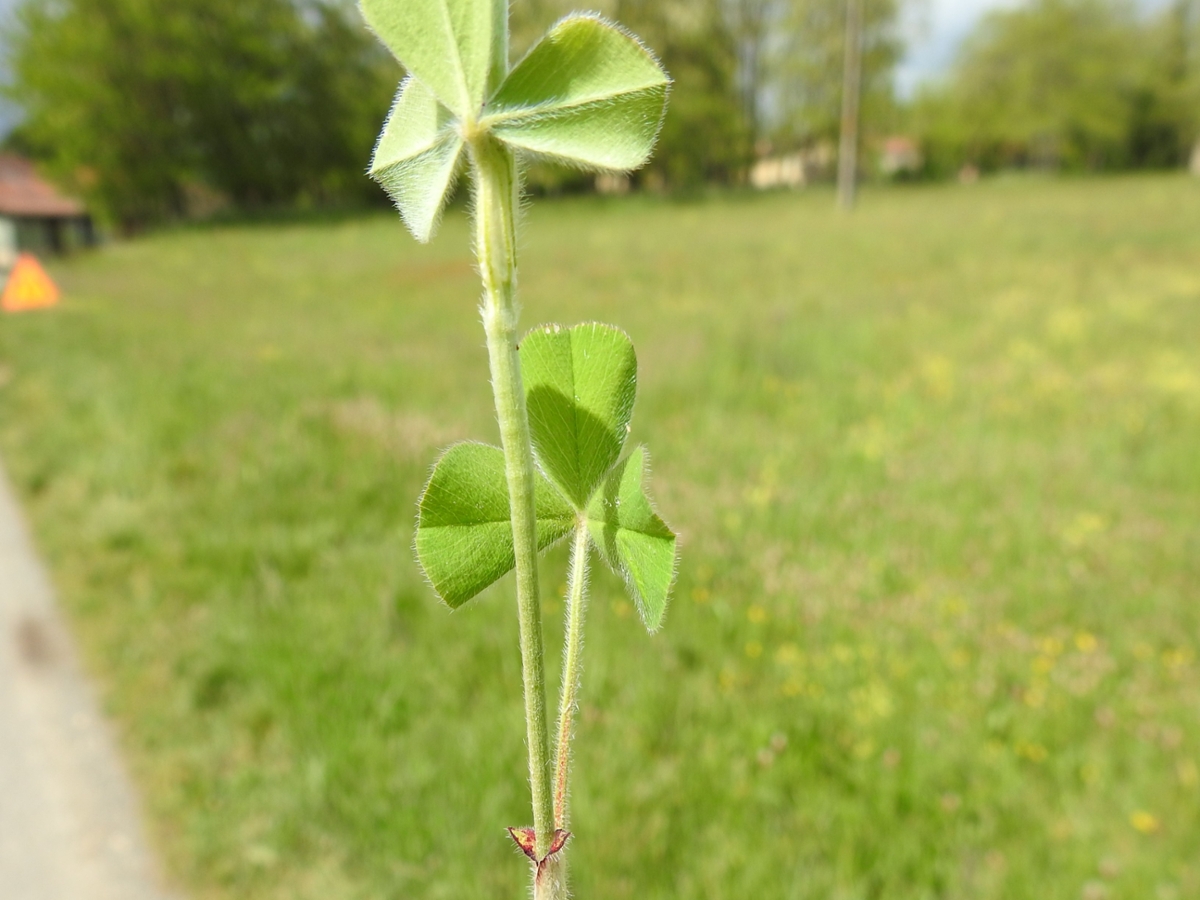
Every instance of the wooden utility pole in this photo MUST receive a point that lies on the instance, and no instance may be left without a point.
(851, 92)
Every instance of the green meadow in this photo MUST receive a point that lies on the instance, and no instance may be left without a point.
(936, 471)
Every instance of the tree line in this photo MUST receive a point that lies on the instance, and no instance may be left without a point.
(152, 108)
(1075, 84)
(159, 109)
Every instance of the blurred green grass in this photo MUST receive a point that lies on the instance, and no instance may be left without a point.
(936, 468)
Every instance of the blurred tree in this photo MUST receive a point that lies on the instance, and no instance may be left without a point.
(754, 27)
(142, 104)
(1166, 110)
(155, 108)
(807, 71)
(707, 135)
(1072, 83)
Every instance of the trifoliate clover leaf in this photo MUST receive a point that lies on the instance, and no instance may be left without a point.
(417, 157)
(464, 536)
(588, 94)
(458, 49)
(632, 539)
(580, 385)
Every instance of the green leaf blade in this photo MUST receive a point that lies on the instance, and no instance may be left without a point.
(464, 537)
(632, 539)
(450, 46)
(580, 385)
(588, 93)
(417, 157)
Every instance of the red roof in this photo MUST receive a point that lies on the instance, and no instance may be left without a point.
(23, 193)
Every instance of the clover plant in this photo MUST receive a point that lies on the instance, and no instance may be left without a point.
(590, 95)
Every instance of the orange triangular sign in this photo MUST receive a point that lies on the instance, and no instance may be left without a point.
(29, 287)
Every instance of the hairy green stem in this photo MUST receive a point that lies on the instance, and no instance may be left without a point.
(496, 191)
(550, 881)
(572, 653)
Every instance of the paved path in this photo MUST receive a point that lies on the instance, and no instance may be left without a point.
(69, 827)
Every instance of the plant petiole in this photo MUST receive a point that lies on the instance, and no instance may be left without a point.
(572, 653)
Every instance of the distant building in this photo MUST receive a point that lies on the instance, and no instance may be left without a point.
(35, 214)
(616, 183)
(779, 171)
(794, 169)
(900, 155)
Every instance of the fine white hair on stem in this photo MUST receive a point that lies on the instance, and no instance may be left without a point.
(576, 607)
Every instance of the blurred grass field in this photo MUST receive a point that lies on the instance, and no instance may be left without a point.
(936, 468)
